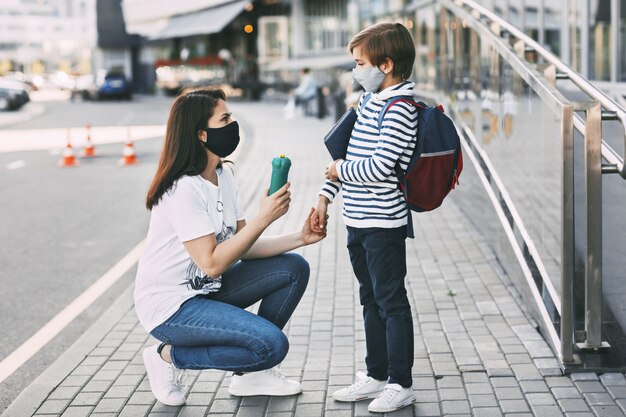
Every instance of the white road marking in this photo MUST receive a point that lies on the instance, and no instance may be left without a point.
(56, 138)
(16, 164)
(37, 341)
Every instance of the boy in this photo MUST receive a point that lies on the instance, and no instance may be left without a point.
(375, 213)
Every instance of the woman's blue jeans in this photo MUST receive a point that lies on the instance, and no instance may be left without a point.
(215, 332)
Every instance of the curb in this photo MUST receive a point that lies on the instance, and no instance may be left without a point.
(36, 393)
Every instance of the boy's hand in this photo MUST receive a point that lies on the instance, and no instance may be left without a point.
(308, 235)
(330, 172)
(317, 220)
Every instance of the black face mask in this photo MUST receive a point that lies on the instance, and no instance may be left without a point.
(222, 141)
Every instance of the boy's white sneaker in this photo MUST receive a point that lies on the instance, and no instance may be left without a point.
(268, 382)
(364, 388)
(393, 398)
(165, 380)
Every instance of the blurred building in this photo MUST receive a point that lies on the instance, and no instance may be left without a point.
(39, 36)
(269, 41)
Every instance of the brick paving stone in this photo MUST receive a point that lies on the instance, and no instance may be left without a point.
(199, 398)
(514, 406)
(559, 381)
(455, 407)
(483, 400)
(343, 413)
(452, 394)
(480, 388)
(253, 411)
(64, 393)
(584, 376)
(427, 409)
(75, 380)
(277, 404)
(540, 399)
(487, 412)
(110, 405)
(311, 397)
(547, 411)
(573, 405)
(97, 386)
(590, 386)
(607, 411)
(53, 406)
(193, 411)
(501, 382)
(598, 398)
(533, 386)
(131, 410)
(509, 393)
(617, 392)
(224, 406)
(78, 412)
(87, 398)
(475, 377)
(142, 397)
(310, 410)
(613, 379)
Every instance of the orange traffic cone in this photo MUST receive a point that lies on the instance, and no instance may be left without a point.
(128, 153)
(90, 150)
(68, 159)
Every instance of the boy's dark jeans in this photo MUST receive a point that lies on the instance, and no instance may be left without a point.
(378, 258)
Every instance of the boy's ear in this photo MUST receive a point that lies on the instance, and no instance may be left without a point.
(387, 66)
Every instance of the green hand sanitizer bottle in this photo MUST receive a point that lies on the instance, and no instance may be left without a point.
(280, 171)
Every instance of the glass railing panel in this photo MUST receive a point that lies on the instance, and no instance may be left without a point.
(514, 128)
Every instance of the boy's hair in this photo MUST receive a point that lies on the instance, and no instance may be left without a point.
(387, 40)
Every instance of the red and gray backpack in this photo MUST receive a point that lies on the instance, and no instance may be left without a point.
(436, 162)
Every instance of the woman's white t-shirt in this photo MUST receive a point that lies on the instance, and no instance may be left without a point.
(166, 275)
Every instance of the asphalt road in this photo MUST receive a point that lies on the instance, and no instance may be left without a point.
(62, 229)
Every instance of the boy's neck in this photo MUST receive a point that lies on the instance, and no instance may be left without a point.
(390, 81)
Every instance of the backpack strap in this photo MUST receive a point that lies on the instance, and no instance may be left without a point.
(400, 175)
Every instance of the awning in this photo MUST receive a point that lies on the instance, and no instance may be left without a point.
(204, 22)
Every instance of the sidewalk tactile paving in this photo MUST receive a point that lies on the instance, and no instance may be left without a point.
(476, 352)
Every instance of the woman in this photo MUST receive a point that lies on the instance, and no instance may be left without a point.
(203, 264)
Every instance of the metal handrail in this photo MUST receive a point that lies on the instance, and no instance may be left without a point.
(616, 163)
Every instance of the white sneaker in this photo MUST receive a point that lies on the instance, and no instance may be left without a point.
(393, 398)
(364, 388)
(165, 380)
(268, 382)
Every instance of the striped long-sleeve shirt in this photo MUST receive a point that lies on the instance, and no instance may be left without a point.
(367, 179)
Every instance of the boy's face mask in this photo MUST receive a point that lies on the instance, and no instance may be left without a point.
(369, 77)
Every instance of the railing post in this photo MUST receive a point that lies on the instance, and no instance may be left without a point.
(593, 231)
(593, 204)
(567, 235)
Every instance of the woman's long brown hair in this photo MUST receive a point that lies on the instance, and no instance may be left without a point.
(183, 153)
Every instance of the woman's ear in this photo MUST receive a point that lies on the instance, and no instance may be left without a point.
(202, 135)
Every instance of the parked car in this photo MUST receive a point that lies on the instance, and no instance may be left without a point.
(112, 85)
(13, 94)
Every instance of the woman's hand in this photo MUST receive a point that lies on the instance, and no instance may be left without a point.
(330, 172)
(317, 219)
(276, 205)
(308, 235)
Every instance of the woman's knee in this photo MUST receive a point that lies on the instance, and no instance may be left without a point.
(275, 349)
(297, 266)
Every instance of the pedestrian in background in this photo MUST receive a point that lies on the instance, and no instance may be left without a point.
(302, 94)
(375, 213)
(203, 264)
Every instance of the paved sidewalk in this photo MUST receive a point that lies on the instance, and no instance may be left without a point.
(476, 353)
